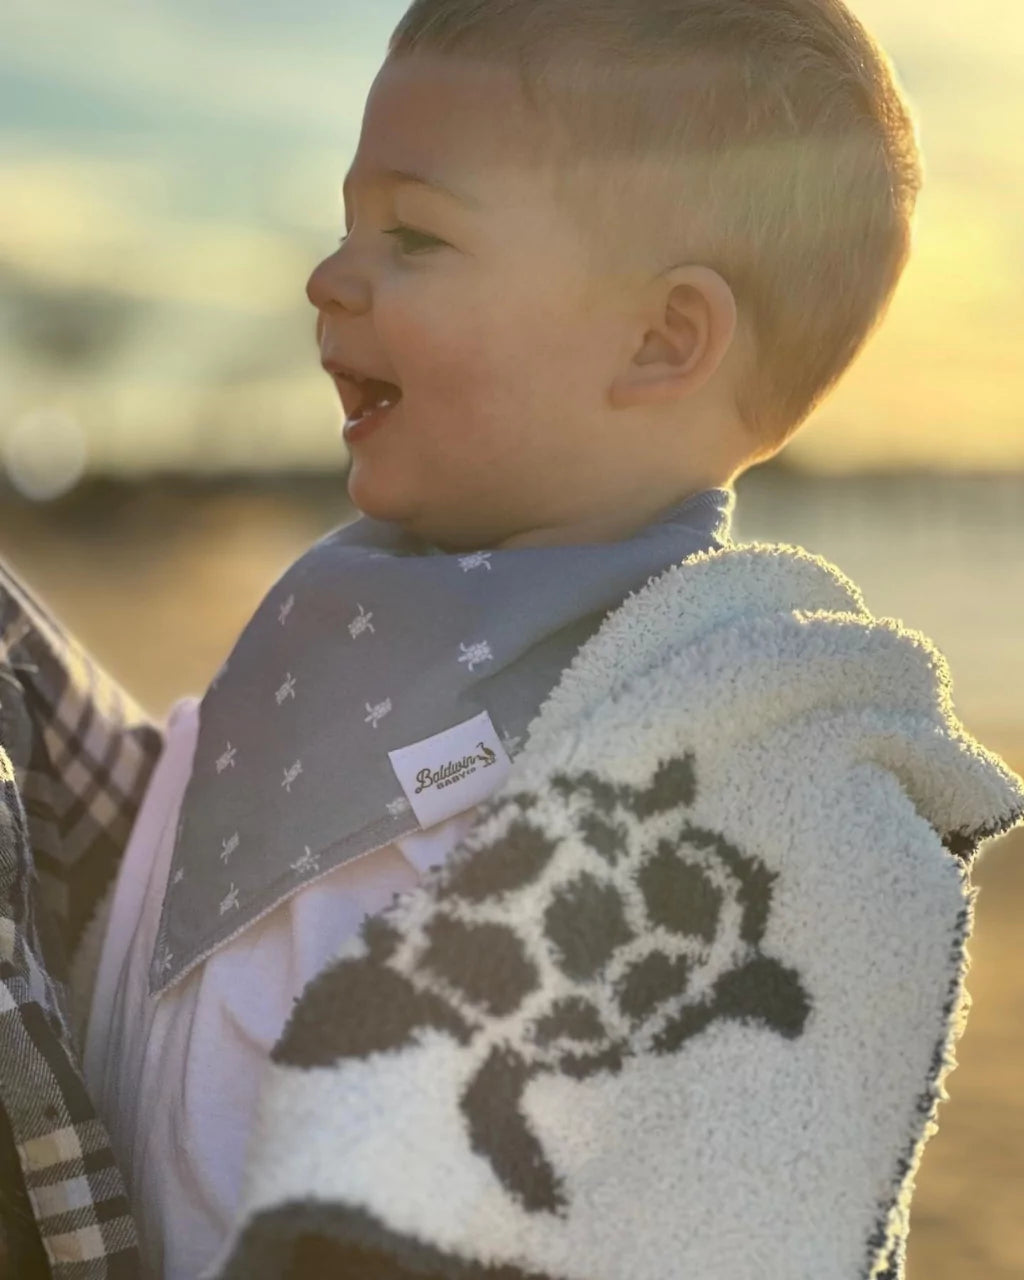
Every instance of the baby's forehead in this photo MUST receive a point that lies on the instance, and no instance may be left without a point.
(458, 111)
(471, 127)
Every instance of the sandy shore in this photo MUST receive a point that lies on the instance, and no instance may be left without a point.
(966, 1221)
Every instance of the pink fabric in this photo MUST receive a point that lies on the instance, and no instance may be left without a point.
(176, 1078)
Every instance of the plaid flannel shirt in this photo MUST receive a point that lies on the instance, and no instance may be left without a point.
(76, 754)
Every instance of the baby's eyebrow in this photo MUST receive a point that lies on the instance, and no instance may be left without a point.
(397, 177)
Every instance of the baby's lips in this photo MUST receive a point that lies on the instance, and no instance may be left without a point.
(359, 391)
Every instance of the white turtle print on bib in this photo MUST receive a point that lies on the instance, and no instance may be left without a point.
(382, 686)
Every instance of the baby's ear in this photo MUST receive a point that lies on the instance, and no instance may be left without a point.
(693, 319)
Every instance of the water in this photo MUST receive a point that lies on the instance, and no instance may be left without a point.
(160, 579)
(945, 555)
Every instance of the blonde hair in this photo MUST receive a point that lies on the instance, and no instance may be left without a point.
(767, 139)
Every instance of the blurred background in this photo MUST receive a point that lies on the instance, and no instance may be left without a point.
(170, 173)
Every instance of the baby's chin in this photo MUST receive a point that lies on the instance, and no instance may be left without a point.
(374, 499)
(442, 525)
(421, 515)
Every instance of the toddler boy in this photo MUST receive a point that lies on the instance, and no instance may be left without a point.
(673, 832)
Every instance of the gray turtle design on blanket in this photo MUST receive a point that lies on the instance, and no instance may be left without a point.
(558, 938)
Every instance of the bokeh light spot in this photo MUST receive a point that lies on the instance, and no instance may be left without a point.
(45, 453)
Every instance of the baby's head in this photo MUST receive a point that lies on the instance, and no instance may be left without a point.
(670, 227)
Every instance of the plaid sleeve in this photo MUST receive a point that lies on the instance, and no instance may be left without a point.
(64, 1165)
(83, 751)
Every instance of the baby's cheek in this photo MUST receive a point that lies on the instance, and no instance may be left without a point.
(467, 377)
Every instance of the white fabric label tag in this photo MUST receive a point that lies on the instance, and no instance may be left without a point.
(452, 771)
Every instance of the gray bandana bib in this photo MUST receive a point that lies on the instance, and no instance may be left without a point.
(381, 687)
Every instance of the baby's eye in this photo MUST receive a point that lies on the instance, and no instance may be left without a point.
(402, 232)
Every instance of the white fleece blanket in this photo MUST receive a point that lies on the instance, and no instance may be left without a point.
(682, 1003)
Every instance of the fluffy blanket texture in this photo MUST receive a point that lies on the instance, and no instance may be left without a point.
(682, 1003)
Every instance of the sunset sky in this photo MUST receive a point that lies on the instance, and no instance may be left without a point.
(170, 173)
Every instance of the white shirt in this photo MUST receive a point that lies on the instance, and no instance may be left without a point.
(176, 1078)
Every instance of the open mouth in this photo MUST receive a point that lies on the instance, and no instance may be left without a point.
(362, 397)
(373, 395)
(367, 402)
